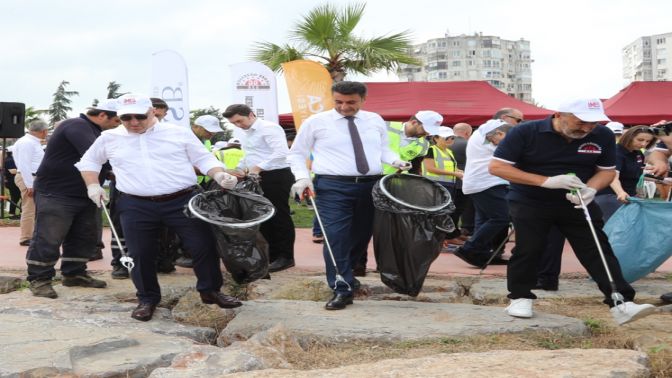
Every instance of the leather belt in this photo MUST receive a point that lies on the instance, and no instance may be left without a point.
(354, 179)
(164, 197)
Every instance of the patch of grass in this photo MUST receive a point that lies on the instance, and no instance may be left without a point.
(302, 215)
(594, 325)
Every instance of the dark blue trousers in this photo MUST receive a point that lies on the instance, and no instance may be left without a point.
(492, 211)
(66, 222)
(346, 210)
(143, 220)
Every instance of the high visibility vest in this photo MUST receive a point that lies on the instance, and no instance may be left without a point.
(202, 179)
(230, 157)
(444, 160)
(418, 147)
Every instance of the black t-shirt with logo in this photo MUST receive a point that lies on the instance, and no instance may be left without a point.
(535, 147)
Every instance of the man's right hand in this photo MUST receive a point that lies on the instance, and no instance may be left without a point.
(300, 186)
(97, 194)
(567, 182)
(29, 192)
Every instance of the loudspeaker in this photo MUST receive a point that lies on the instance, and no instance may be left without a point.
(12, 117)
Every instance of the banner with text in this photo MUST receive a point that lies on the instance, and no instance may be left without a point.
(170, 82)
(254, 85)
(309, 87)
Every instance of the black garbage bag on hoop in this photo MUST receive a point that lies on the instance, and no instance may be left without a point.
(412, 218)
(235, 217)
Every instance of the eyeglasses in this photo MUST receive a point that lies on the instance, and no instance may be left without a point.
(519, 120)
(128, 117)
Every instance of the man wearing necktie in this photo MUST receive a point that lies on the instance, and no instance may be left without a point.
(349, 146)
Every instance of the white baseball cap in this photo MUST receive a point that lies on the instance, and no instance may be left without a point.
(219, 145)
(133, 104)
(585, 109)
(209, 122)
(615, 127)
(234, 141)
(108, 105)
(445, 132)
(430, 120)
(490, 125)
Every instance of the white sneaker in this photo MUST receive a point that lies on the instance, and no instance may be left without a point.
(631, 311)
(520, 308)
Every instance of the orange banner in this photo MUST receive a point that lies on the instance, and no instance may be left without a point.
(309, 86)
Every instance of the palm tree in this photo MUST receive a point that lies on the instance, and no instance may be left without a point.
(58, 110)
(113, 90)
(326, 35)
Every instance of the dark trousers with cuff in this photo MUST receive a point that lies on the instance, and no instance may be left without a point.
(493, 215)
(533, 223)
(346, 210)
(143, 220)
(279, 231)
(67, 222)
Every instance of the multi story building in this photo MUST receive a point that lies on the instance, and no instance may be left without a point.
(648, 58)
(505, 64)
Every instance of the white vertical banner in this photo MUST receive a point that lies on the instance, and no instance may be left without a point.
(170, 83)
(254, 85)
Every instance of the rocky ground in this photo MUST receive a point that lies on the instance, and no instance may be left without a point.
(455, 328)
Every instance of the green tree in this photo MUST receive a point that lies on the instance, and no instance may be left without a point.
(227, 131)
(326, 35)
(113, 90)
(59, 108)
(33, 114)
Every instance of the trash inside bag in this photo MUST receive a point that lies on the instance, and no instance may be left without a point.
(235, 218)
(411, 221)
(639, 234)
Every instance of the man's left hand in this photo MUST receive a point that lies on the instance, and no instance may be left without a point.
(225, 180)
(587, 193)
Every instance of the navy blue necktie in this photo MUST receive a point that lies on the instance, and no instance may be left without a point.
(360, 156)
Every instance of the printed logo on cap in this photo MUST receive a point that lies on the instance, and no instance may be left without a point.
(594, 105)
(129, 101)
(590, 148)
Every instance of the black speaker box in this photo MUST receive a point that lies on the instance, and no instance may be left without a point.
(12, 117)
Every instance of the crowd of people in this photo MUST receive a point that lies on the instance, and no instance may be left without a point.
(532, 178)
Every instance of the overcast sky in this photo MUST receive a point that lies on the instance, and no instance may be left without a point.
(576, 44)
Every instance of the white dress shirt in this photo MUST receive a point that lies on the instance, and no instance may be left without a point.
(264, 144)
(158, 161)
(476, 176)
(326, 135)
(28, 154)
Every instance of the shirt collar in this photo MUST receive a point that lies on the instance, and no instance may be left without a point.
(546, 125)
(336, 115)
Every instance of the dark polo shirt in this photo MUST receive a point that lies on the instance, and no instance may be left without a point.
(630, 165)
(535, 147)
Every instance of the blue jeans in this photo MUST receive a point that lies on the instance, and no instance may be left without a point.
(143, 221)
(346, 210)
(66, 222)
(493, 215)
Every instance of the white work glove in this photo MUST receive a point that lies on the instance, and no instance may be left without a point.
(300, 186)
(400, 164)
(587, 193)
(567, 182)
(97, 194)
(225, 180)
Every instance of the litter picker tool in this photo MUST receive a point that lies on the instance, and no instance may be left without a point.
(496, 251)
(126, 260)
(339, 277)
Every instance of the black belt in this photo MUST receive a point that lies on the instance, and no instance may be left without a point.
(354, 179)
(164, 197)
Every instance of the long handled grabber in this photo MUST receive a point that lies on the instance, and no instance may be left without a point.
(496, 251)
(616, 297)
(126, 260)
(339, 277)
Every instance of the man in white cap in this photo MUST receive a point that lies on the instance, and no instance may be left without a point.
(408, 138)
(616, 128)
(28, 154)
(230, 153)
(550, 163)
(65, 217)
(154, 188)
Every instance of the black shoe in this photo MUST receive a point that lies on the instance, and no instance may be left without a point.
(221, 300)
(547, 285)
(499, 261)
(280, 263)
(98, 255)
(83, 280)
(356, 284)
(184, 262)
(119, 273)
(469, 258)
(143, 312)
(359, 271)
(667, 297)
(339, 301)
(25, 243)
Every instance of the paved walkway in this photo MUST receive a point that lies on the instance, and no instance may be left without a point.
(308, 256)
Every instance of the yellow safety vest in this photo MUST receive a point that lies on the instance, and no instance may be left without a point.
(418, 147)
(201, 179)
(444, 160)
(230, 157)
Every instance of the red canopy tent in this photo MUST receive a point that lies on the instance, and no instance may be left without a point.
(641, 102)
(473, 102)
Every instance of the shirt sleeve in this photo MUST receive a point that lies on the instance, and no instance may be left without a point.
(607, 159)
(94, 157)
(198, 155)
(387, 155)
(275, 138)
(510, 149)
(301, 149)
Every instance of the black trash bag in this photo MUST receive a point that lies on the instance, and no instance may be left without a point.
(412, 218)
(235, 218)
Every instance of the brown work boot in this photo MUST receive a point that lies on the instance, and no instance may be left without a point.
(83, 280)
(43, 288)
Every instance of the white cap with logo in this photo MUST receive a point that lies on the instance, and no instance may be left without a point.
(615, 127)
(430, 120)
(133, 104)
(108, 105)
(585, 109)
(209, 122)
